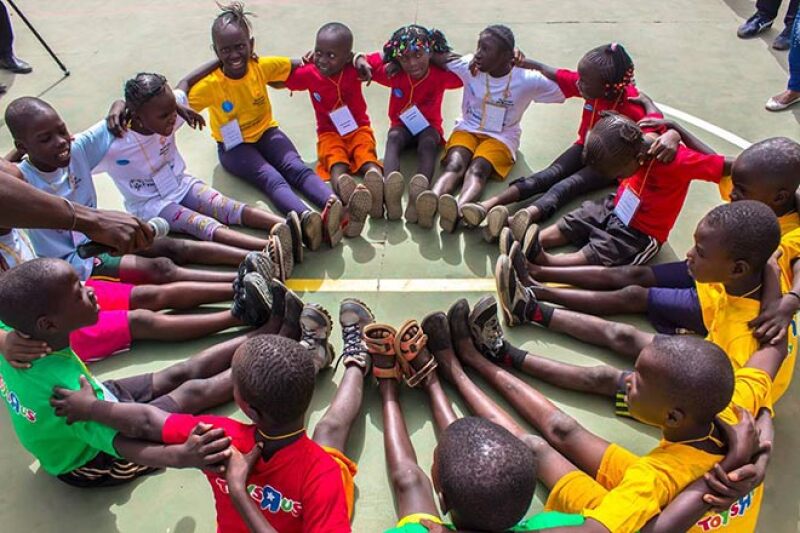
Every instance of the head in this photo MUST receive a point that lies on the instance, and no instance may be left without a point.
(495, 52)
(733, 242)
(273, 380)
(230, 35)
(151, 103)
(38, 131)
(484, 475)
(411, 48)
(333, 49)
(45, 299)
(679, 381)
(605, 71)
(614, 146)
(769, 172)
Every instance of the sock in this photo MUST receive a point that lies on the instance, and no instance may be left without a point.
(513, 356)
(541, 314)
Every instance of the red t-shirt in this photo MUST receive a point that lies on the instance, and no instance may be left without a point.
(328, 94)
(299, 489)
(662, 190)
(427, 93)
(567, 81)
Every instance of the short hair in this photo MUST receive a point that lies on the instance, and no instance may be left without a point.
(337, 28)
(614, 139)
(777, 161)
(31, 290)
(233, 13)
(615, 66)
(413, 37)
(20, 111)
(697, 374)
(275, 375)
(486, 474)
(144, 87)
(749, 229)
(503, 34)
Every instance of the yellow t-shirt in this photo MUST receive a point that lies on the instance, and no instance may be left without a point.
(245, 99)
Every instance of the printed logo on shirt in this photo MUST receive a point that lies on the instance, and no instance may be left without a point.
(268, 499)
(227, 106)
(588, 107)
(137, 184)
(260, 100)
(317, 96)
(14, 404)
(122, 162)
(718, 520)
(397, 92)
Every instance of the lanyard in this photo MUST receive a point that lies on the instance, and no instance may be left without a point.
(414, 86)
(710, 437)
(594, 109)
(338, 85)
(487, 95)
(144, 153)
(644, 180)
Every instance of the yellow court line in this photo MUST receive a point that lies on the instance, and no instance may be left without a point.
(393, 285)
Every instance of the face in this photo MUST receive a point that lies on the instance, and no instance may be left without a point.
(591, 83)
(415, 63)
(159, 113)
(332, 52)
(46, 140)
(748, 185)
(491, 55)
(644, 394)
(233, 46)
(708, 260)
(78, 306)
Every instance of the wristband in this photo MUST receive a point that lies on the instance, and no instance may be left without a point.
(792, 293)
(72, 212)
(355, 57)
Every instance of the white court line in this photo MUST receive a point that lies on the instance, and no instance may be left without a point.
(706, 126)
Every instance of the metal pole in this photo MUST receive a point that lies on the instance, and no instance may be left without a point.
(39, 37)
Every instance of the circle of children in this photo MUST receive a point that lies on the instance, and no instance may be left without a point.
(723, 355)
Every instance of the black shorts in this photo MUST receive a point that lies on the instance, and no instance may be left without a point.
(106, 470)
(604, 238)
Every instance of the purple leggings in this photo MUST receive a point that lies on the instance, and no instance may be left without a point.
(273, 165)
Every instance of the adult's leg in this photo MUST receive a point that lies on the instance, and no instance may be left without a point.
(247, 162)
(179, 295)
(143, 270)
(769, 8)
(397, 139)
(581, 182)
(149, 325)
(6, 33)
(429, 143)
(187, 251)
(791, 14)
(456, 162)
(475, 180)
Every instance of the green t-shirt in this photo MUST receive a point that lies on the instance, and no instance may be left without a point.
(60, 448)
(543, 520)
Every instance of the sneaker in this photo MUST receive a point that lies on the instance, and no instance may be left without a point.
(354, 316)
(296, 231)
(755, 25)
(256, 304)
(311, 225)
(374, 184)
(520, 264)
(258, 262)
(427, 203)
(393, 187)
(345, 185)
(293, 308)
(332, 221)
(486, 331)
(531, 245)
(458, 320)
(784, 40)
(519, 223)
(516, 301)
(315, 332)
(473, 214)
(358, 207)
(416, 186)
(437, 329)
(506, 241)
(277, 294)
(282, 237)
(496, 220)
(448, 213)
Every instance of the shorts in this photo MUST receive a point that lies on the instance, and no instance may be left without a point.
(605, 240)
(348, 470)
(355, 149)
(489, 148)
(110, 335)
(417, 518)
(106, 267)
(672, 304)
(105, 470)
(112, 295)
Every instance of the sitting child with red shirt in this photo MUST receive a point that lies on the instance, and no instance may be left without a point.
(627, 227)
(605, 80)
(415, 103)
(345, 141)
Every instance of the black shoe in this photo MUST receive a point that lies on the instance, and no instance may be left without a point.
(756, 24)
(296, 229)
(487, 333)
(315, 332)
(458, 320)
(293, 308)
(437, 329)
(255, 306)
(354, 316)
(784, 39)
(15, 65)
(517, 301)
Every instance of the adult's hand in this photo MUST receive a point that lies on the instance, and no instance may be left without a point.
(121, 231)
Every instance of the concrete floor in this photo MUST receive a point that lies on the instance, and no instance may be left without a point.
(687, 56)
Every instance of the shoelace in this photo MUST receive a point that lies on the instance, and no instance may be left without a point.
(307, 336)
(352, 344)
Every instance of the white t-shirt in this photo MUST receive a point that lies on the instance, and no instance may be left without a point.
(513, 92)
(15, 249)
(148, 170)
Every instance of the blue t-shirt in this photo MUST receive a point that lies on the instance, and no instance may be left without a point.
(74, 183)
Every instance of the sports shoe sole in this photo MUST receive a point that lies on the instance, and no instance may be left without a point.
(496, 220)
(502, 274)
(332, 219)
(374, 183)
(506, 241)
(448, 213)
(393, 189)
(473, 214)
(283, 235)
(358, 303)
(261, 263)
(531, 247)
(519, 223)
(327, 326)
(311, 224)
(518, 262)
(416, 186)
(427, 203)
(296, 230)
(257, 289)
(346, 186)
(357, 210)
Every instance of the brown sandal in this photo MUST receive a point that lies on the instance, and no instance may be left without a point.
(415, 359)
(380, 341)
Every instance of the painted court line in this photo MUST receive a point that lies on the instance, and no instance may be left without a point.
(461, 285)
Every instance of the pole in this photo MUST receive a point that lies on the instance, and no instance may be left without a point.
(39, 37)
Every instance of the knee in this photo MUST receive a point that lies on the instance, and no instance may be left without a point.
(327, 426)
(408, 478)
(634, 295)
(480, 168)
(456, 165)
(395, 137)
(428, 143)
(601, 378)
(148, 297)
(632, 275)
(162, 270)
(561, 427)
(622, 335)
(142, 322)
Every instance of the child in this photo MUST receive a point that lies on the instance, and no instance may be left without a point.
(605, 80)
(630, 226)
(151, 175)
(415, 103)
(249, 143)
(486, 137)
(57, 164)
(44, 300)
(345, 141)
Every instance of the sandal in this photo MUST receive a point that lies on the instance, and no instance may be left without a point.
(415, 359)
(380, 341)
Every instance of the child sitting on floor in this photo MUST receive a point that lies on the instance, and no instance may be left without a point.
(415, 104)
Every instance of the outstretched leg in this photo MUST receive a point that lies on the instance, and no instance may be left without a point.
(186, 251)
(179, 295)
(455, 166)
(142, 270)
(598, 278)
(475, 180)
(149, 325)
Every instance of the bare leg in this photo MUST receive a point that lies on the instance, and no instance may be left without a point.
(622, 338)
(234, 238)
(253, 217)
(509, 196)
(428, 143)
(333, 429)
(475, 180)
(185, 251)
(336, 171)
(148, 325)
(455, 166)
(551, 236)
(631, 299)
(597, 278)
(442, 410)
(601, 379)
(396, 140)
(142, 270)
(179, 295)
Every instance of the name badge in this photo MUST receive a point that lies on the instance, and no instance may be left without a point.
(166, 181)
(231, 134)
(343, 120)
(627, 206)
(414, 120)
(494, 117)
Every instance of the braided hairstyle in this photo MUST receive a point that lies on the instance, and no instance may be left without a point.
(412, 38)
(503, 34)
(233, 13)
(144, 87)
(614, 141)
(615, 66)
